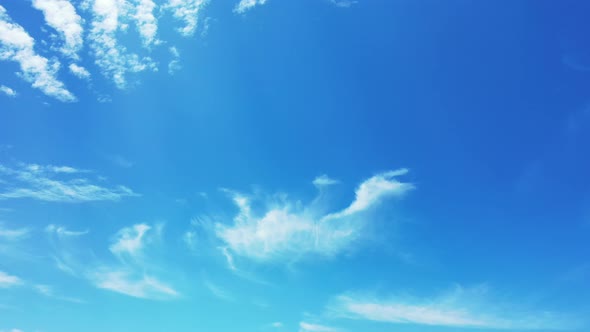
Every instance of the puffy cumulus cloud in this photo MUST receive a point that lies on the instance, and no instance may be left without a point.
(18, 46)
(245, 5)
(111, 57)
(291, 230)
(7, 91)
(61, 16)
(79, 71)
(56, 184)
(188, 12)
(460, 307)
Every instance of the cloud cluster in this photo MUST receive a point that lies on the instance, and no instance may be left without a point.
(56, 184)
(291, 230)
(18, 46)
(187, 11)
(61, 15)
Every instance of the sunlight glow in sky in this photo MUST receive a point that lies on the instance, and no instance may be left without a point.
(302, 165)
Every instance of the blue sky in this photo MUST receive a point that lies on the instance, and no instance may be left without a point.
(306, 166)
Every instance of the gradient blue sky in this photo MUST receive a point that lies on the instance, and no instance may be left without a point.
(305, 166)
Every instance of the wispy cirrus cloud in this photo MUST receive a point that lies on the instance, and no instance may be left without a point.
(56, 184)
(8, 281)
(460, 307)
(61, 15)
(130, 240)
(218, 291)
(13, 234)
(62, 231)
(310, 327)
(132, 283)
(291, 230)
(130, 270)
(18, 46)
(49, 291)
(131, 276)
(7, 91)
(245, 5)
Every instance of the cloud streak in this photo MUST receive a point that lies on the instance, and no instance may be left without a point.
(309, 327)
(16, 45)
(133, 284)
(458, 308)
(56, 184)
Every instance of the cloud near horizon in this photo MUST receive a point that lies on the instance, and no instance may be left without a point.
(459, 307)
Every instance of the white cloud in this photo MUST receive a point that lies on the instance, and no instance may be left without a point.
(133, 284)
(63, 232)
(47, 183)
(16, 45)
(343, 3)
(7, 91)
(218, 291)
(309, 327)
(290, 230)
(245, 5)
(373, 190)
(7, 280)
(174, 64)
(13, 234)
(111, 57)
(61, 16)
(79, 71)
(276, 325)
(187, 11)
(324, 180)
(458, 308)
(133, 274)
(130, 240)
(147, 23)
